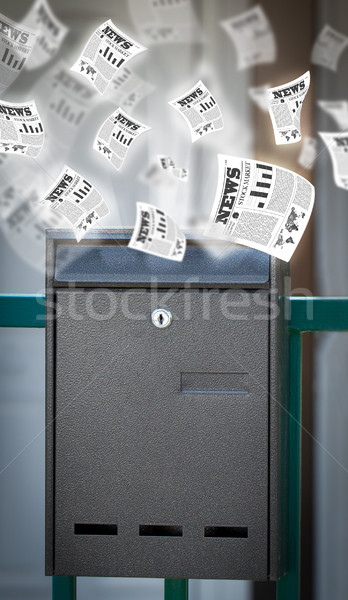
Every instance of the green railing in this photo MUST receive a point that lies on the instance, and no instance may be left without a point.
(305, 315)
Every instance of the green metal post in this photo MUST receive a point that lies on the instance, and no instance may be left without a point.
(22, 310)
(288, 588)
(176, 589)
(63, 588)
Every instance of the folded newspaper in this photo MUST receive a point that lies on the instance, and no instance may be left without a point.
(107, 50)
(77, 200)
(260, 205)
(127, 89)
(21, 129)
(157, 234)
(200, 110)
(308, 153)
(337, 145)
(338, 110)
(51, 33)
(116, 135)
(165, 21)
(328, 48)
(252, 36)
(16, 44)
(168, 165)
(284, 105)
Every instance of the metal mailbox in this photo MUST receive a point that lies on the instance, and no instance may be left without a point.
(166, 411)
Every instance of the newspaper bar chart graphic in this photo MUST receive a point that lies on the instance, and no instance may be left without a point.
(63, 110)
(207, 105)
(31, 129)
(167, 2)
(122, 139)
(162, 225)
(263, 184)
(10, 60)
(109, 56)
(83, 191)
(118, 81)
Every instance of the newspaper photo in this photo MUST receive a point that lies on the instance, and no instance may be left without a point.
(253, 37)
(21, 129)
(259, 95)
(157, 234)
(168, 165)
(337, 145)
(115, 136)
(328, 48)
(107, 50)
(16, 44)
(308, 153)
(285, 105)
(165, 21)
(77, 200)
(65, 101)
(51, 33)
(338, 110)
(127, 89)
(200, 110)
(260, 205)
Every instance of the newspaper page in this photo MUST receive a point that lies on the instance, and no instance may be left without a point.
(22, 220)
(200, 110)
(77, 200)
(16, 44)
(259, 95)
(21, 129)
(127, 89)
(154, 175)
(328, 48)
(51, 33)
(308, 153)
(116, 135)
(165, 21)
(252, 36)
(107, 50)
(260, 205)
(168, 165)
(157, 234)
(337, 145)
(285, 105)
(65, 101)
(338, 110)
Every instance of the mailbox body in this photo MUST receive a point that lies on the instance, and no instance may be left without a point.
(166, 449)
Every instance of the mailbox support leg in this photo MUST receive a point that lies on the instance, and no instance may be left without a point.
(288, 588)
(63, 588)
(176, 589)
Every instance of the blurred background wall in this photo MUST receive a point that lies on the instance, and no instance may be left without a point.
(318, 266)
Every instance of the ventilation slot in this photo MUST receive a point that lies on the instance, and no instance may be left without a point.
(226, 532)
(95, 529)
(161, 530)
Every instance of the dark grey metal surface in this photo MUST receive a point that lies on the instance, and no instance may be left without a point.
(117, 264)
(162, 433)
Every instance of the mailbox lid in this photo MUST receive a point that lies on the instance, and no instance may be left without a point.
(108, 261)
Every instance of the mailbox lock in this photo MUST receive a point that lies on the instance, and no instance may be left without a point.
(161, 317)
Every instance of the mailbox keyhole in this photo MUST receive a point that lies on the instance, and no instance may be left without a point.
(161, 318)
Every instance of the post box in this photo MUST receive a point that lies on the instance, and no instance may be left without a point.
(167, 411)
